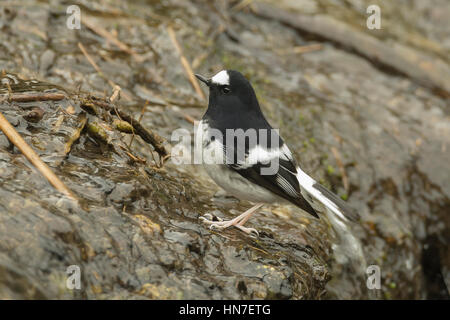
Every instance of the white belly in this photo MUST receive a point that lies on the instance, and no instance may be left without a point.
(229, 180)
(238, 186)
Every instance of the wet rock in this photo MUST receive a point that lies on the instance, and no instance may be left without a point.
(134, 235)
(392, 136)
(46, 61)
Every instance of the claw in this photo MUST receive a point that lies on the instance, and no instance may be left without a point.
(206, 216)
(216, 223)
(250, 231)
(254, 233)
(215, 227)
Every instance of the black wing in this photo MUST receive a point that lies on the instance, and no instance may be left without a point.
(284, 183)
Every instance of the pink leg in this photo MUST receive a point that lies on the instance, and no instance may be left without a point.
(238, 222)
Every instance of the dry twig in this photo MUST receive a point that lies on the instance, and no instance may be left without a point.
(111, 38)
(76, 135)
(116, 93)
(188, 118)
(241, 5)
(38, 96)
(33, 157)
(139, 120)
(147, 135)
(185, 63)
(99, 71)
(301, 49)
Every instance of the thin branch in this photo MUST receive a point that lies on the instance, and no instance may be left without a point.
(33, 157)
(241, 5)
(301, 49)
(147, 135)
(185, 63)
(38, 96)
(99, 71)
(115, 94)
(188, 118)
(139, 120)
(76, 135)
(111, 38)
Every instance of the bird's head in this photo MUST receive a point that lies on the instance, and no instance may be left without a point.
(229, 88)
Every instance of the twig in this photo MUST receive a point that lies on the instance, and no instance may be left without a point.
(188, 118)
(116, 93)
(339, 163)
(301, 49)
(91, 61)
(33, 157)
(199, 59)
(147, 135)
(139, 120)
(10, 92)
(76, 135)
(185, 63)
(111, 38)
(58, 123)
(35, 31)
(99, 71)
(241, 5)
(132, 156)
(38, 96)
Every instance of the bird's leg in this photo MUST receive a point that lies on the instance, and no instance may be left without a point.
(238, 222)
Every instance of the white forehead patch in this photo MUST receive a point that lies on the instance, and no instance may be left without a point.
(222, 78)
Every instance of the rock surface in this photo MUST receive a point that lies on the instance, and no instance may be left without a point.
(375, 137)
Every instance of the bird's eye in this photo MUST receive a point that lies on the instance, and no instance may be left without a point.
(225, 90)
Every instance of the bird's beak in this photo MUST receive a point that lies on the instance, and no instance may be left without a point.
(203, 79)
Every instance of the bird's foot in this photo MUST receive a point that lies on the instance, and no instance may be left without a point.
(216, 223)
(250, 231)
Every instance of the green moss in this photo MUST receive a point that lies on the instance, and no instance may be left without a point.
(123, 126)
(200, 33)
(97, 131)
(330, 169)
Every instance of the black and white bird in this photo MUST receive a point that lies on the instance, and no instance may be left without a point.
(243, 164)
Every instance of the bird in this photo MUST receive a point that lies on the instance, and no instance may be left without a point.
(246, 157)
